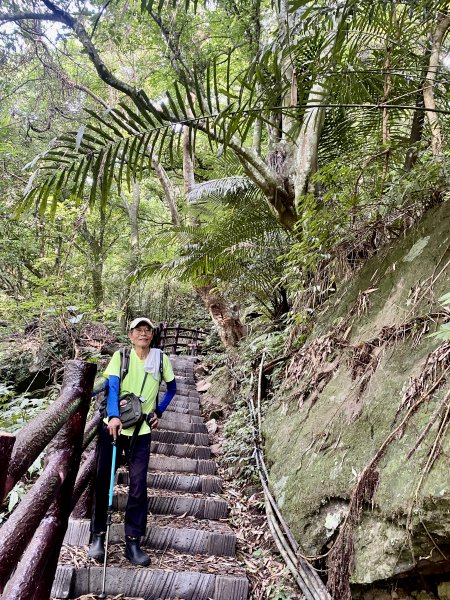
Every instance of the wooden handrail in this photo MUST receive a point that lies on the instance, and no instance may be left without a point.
(36, 528)
(34, 437)
(172, 340)
(190, 331)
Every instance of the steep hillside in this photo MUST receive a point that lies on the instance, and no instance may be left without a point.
(361, 419)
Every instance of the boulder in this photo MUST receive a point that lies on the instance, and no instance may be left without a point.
(330, 421)
(219, 390)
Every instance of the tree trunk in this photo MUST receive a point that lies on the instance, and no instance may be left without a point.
(415, 134)
(306, 148)
(133, 212)
(226, 319)
(428, 89)
(97, 284)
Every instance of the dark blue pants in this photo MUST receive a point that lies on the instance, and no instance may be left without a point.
(136, 510)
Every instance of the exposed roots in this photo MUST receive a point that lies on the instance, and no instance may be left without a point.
(432, 377)
(340, 559)
(313, 366)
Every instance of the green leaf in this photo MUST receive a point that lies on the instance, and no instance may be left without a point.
(445, 299)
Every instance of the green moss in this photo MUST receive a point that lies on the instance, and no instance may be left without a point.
(317, 452)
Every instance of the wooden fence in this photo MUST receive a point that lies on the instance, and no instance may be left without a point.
(181, 340)
(31, 538)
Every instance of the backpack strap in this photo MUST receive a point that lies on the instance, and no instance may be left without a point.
(161, 368)
(124, 362)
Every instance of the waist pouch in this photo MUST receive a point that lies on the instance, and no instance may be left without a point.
(130, 408)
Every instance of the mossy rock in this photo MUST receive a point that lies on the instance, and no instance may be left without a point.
(219, 392)
(317, 448)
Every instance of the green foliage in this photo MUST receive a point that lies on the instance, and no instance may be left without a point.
(237, 247)
(16, 411)
(276, 592)
(443, 332)
(238, 447)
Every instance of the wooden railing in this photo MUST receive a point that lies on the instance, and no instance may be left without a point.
(31, 538)
(181, 340)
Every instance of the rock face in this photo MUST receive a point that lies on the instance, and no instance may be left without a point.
(349, 389)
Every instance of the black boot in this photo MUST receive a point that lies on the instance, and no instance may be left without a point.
(97, 547)
(134, 553)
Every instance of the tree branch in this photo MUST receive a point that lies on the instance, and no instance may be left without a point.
(169, 191)
(61, 16)
(28, 16)
(64, 77)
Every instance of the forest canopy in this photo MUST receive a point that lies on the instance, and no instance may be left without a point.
(247, 155)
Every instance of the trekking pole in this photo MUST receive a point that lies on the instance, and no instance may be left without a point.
(102, 596)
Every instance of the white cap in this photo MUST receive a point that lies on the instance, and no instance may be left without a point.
(135, 322)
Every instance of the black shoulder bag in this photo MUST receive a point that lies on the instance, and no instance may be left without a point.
(130, 408)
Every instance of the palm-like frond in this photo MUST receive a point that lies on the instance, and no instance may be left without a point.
(224, 103)
(240, 246)
(219, 188)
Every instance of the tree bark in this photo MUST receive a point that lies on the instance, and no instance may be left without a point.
(169, 191)
(188, 161)
(307, 142)
(133, 213)
(227, 321)
(442, 26)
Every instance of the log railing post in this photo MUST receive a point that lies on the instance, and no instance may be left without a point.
(7, 441)
(194, 347)
(34, 437)
(36, 568)
(83, 491)
(176, 336)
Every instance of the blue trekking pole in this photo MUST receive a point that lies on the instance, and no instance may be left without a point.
(102, 596)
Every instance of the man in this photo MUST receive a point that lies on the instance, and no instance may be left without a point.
(142, 379)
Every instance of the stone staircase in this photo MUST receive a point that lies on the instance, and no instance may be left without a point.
(191, 545)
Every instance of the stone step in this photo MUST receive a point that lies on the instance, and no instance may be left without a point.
(183, 382)
(204, 484)
(182, 388)
(177, 504)
(149, 583)
(182, 368)
(180, 437)
(181, 450)
(191, 541)
(160, 462)
(171, 423)
(180, 417)
(183, 402)
(186, 380)
(183, 410)
(213, 538)
(182, 397)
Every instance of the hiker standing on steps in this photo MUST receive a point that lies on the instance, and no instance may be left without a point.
(142, 379)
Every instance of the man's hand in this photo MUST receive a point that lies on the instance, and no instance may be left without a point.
(153, 422)
(115, 427)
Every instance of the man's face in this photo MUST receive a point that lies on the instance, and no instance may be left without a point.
(141, 335)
